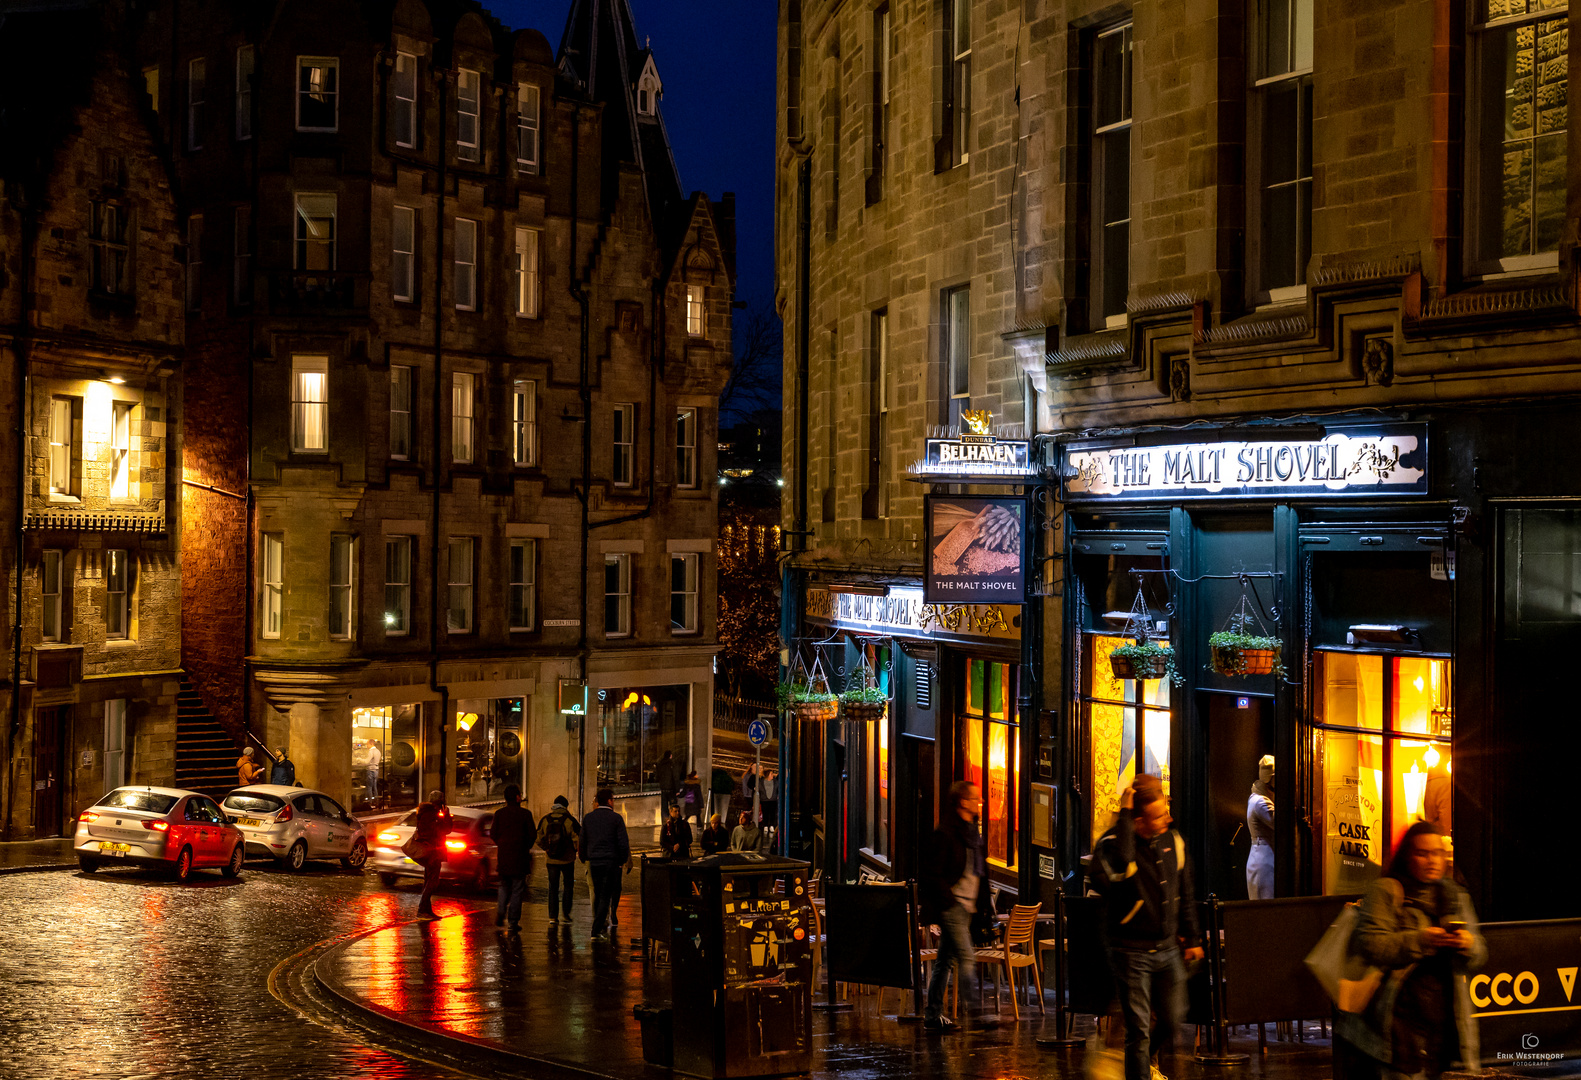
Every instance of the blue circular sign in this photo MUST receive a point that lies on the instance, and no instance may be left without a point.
(757, 733)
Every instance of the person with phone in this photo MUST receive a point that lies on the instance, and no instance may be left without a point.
(1419, 926)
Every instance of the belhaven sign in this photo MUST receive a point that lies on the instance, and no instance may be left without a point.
(1353, 460)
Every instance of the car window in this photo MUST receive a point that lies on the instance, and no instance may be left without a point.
(308, 804)
(330, 807)
(253, 802)
(193, 811)
(213, 812)
(132, 799)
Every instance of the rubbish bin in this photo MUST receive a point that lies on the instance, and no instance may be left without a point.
(658, 1044)
(741, 959)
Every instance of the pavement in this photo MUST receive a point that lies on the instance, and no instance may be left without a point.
(23, 856)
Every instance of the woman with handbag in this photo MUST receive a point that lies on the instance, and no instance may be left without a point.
(1417, 926)
(427, 847)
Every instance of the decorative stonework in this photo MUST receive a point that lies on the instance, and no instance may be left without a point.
(1256, 331)
(1377, 361)
(1498, 302)
(1351, 273)
(1180, 379)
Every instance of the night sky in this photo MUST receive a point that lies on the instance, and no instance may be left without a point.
(716, 58)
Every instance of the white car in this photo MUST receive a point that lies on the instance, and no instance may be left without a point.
(168, 828)
(295, 824)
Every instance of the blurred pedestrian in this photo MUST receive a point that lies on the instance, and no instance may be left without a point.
(954, 887)
(607, 851)
(248, 771)
(557, 835)
(747, 785)
(667, 775)
(375, 768)
(513, 832)
(720, 785)
(427, 848)
(716, 837)
(1150, 908)
(1419, 926)
(691, 798)
(676, 836)
(284, 771)
(748, 836)
(768, 796)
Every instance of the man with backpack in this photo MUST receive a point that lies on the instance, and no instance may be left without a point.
(557, 835)
(1141, 868)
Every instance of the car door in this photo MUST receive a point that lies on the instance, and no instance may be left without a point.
(195, 829)
(220, 838)
(336, 827)
(312, 823)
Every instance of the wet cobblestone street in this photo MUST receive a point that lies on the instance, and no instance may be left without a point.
(131, 975)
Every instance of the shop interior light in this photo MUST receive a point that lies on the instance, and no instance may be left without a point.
(1415, 783)
(1388, 633)
(1431, 757)
(465, 721)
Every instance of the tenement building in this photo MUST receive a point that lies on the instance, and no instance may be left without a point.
(91, 339)
(1245, 332)
(454, 342)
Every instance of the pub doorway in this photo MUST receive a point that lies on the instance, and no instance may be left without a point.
(1240, 732)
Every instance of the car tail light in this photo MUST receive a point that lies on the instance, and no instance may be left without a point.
(456, 845)
(389, 837)
(157, 826)
(284, 814)
(87, 816)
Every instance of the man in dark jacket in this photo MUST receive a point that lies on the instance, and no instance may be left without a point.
(954, 886)
(676, 835)
(284, 771)
(1150, 911)
(667, 775)
(606, 850)
(514, 832)
(557, 835)
(720, 786)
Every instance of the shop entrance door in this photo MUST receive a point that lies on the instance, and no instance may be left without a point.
(48, 729)
(1240, 731)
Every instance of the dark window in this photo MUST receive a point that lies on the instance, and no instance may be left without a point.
(1110, 189)
(1284, 95)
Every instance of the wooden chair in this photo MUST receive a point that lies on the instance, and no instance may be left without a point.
(1015, 950)
(927, 956)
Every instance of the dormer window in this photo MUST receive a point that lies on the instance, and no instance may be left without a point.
(649, 90)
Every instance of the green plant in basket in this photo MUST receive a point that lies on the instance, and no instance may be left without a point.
(1143, 660)
(788, 694)
(864, 695)
(1236, 652)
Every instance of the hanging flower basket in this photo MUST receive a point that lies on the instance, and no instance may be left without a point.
(1246, 654)
(865, 705)
(814, 708)
(1144, 660)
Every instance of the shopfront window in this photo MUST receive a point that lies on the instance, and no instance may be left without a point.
(1374, 786)
(488, 747)
(385, 750)
(991, 750)
(1121, 714)
(875, 758)
(636, 726)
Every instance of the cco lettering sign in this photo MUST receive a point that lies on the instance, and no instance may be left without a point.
(1354, 460)
(1524, 998)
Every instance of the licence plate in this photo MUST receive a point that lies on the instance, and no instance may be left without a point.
(107, 848)
(251, 822)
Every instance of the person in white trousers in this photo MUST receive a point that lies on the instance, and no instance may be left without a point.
(1260, 824)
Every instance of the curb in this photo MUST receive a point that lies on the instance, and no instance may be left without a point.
(36, 868)
(483, 1054)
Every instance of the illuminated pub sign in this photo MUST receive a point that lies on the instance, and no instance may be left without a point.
(976, 452)
(1387, 459)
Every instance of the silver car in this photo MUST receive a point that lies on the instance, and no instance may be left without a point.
(295, 824)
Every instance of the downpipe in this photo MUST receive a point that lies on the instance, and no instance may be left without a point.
(434, 685)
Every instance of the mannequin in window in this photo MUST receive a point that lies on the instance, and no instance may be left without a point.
(1260, 824)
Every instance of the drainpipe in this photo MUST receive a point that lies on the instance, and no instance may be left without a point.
(434, 685)
(21, 344)
(585, 393)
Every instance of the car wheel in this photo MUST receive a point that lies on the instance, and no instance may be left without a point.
(388, 880)
(234, 867)
(88, 865)
(480, 878)
(297, 856)
(184, 864)
(358, 856)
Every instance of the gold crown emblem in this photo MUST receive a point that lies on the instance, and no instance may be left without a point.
(977, 421)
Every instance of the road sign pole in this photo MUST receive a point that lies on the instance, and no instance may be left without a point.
(757, 783)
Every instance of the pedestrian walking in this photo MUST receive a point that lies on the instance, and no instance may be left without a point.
(954, 886)
(375, 768)
(768, 796)
(427, 847)
(557, 835)
(284, 771)
(667, 775)
(1150, 909)
(514, 832)
(716, 837)
(248, 771)
(607, 851)
(1419, 926)
(691, 798)
(747, 785)
(720, 786)
(1260, 826)
(748, 835)
(676, 835)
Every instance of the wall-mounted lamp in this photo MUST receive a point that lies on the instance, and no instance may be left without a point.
(858, 590)
(113, 378)
(1381, 633)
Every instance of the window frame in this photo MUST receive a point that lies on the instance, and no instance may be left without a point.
(696, 311)
(623, 450)
(524, 428)
(398, 556)
(114, 743)
(403, 109)
(65, 448)
(531, 165)
(957, 342)
(529, 252)
(1283, 56)
(957, 60)
(118, 600)
(271, 585)
(121, 449)
(52, 604)
(461, 583)
(465, 269)
(303, 242)
(246, 68)
(690, 566)
(302, 365)
(622, 562)
(686, 424)
(523, 596)
(883, 86)
(878, 412)
(110, 235)
(470, 152)
(403, 262)
(463, 417)
(342, 593)
(197, 93)
(305, 64)
(1108, 311)
(401, 410)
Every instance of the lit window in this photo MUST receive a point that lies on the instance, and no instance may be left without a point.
(458, 611)
(109, 250)
(524, 423)
(617, 595)
(315, 232)
(696, 314)
(683, 594)
(317, 93)
(467, 98)
(65, 449)
(272, 599)
(400, 412)
(246, 63)
(461, 416)
(397, 585)
(196, 91)
(686, 448)
(623, 435)
(524, 588)
(310, 404)
(403, 256)
(342, 564)
(527, 273)
(118, 594)
(403, 119)
(52, 592)
(527, 128)
(120, 449)
(465, 280)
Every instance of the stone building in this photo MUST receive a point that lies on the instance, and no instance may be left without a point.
(91, 340)
(1284, 297)
(455, 340)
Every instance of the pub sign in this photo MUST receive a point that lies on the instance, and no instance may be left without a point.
(975, 550)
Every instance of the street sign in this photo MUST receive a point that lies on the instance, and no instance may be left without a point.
(758, 730)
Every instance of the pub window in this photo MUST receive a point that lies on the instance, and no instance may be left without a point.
(1121, 717)
(1110, 184)
(990, 749)
(876, 762)
(1283, 97)
(1384, 727)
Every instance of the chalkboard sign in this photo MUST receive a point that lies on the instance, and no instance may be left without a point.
(1265, 947)
(869, 932)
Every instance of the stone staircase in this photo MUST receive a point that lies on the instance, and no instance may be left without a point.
(205, 752)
